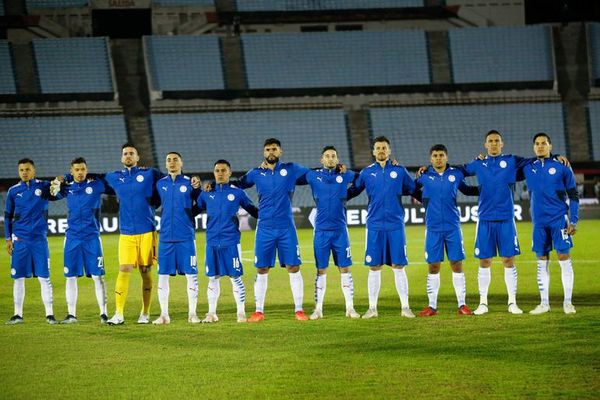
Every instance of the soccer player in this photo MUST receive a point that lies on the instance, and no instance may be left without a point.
(83, 247)
(440, 184)
(329, 189)
(135, 189)
(25, 229)
(554, 213)
(385, 184)
(496, 230)
(177, 239)
(223, 250)
(275, 230)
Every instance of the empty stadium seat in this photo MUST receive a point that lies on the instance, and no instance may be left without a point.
(593, 30)
(31, 4)
(340, 59)
(501, 54)
(594, 113)
(202, 138)
(202, 3)
(52, 142)
(413, 130)
(7, 76)
(75, 65)
(184, 62)
(313, 5)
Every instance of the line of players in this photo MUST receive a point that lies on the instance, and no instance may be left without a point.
(554, 209)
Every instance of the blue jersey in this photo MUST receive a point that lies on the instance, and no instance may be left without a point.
(177, 223)
(275, 191)
(330, 191)
(550, 183)
(385, 188)
(496, 177)
(439, 198)
(83, 204)
(135, 189)
(222, 205)
(26, 210)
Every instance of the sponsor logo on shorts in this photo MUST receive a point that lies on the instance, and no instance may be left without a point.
(89, 190)
(183, 188)
(476, 251)
(38, 192)
(283, 172)
(66, 270)
(230, 197)
(393, 174)
(13, 271)
(139, 178)
(339, 179)
(503, 164)
(451, 178)
(368, 258)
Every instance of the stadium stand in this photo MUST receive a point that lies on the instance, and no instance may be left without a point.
(75, 65)
(501, 54)
(594, 49)
(413, 130)
(314, 5)
(184, 62)
(202, 3)
(7, 76)
(239, 136)
(340, 59)
(1, 8)
(594, 113)
(32, 4)
(52, 142)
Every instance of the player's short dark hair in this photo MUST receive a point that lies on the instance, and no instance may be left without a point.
(381, 139)
(492, 132)
(438, 147)
(26, 161)
(221, 161)
(328, 148)
(174, 152)
(544, 134)
(270, 141)
(78, 160)
(129, 144)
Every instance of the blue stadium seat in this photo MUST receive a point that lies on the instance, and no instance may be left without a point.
(413, 130)
(7, 76)
(52, 142)
(341, 59)
(202, 138)
(594, 48)
(594, 112)
(313, 5)
(501, 54)
(184, 62)
(75, 65)
(31, 4)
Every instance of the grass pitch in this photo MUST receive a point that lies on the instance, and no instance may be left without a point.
(493, 356)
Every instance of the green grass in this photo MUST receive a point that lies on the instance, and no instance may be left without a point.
(494, 356)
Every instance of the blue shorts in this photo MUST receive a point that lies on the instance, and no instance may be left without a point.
(30, 258)
(177, 258)
(83, 256)
(545, 238)
(224, 261)
(385, 247)
(267, 241)
(436, 242)
(500, 236)
(334, 242)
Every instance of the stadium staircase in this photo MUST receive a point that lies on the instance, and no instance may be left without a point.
(439, 59)
(570, 49)
(130, 71)
(358, 122)
(25, 71)
(233, 63)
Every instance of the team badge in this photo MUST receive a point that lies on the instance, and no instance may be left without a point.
(183, 188)
(38, 192)
(139, 178)
(393, 174)
(476, 251)
(451, 178)
(552, 171)
(230, 197)
(13, 271)
(283, 172)
(89, 190)
(368, 258)
(339, 179)
(503, 164)
(66, 270)
(426, 255)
